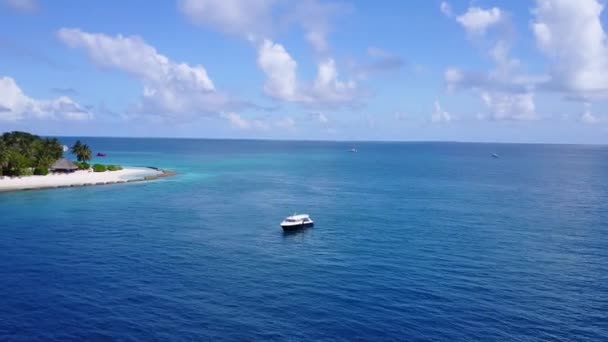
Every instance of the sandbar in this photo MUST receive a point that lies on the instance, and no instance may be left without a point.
(81, 178)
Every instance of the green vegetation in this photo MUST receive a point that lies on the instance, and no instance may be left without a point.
(23, 153)
(41, 171)
(82, 166)
(82, 151)
(99, 168)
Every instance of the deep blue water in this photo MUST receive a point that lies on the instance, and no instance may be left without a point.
(413, 242)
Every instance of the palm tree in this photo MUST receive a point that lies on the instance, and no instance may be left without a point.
(84, 154)
(3, 156)
(76, 147)
(82, 151)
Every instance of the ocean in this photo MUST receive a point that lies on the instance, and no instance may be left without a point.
(412, 242)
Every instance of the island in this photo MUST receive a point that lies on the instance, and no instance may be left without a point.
(29, 162)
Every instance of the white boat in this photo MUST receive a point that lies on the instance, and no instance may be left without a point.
(296, 222)
(353, 150)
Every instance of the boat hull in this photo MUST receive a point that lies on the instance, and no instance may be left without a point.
(293, 227)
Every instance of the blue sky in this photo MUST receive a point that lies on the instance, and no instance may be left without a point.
(507, 71)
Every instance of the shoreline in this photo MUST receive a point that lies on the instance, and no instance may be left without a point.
(83, 178)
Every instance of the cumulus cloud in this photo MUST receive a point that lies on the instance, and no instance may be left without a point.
(22, 5)
(281, 79)
(570, 33)
(133, 55)
(254, 19)
(328, 88)
(445, 8)
(314, 18)
(477, 20)
(510, 106)
(169, 87)
(15, 105)
(506, 96)
(439, 115)
(319, 117)
(236, 120)
(280, 69)
(589, 118)
(506, 93)
(241, 17)
(453, 77)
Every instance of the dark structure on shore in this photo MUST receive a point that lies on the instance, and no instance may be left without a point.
(63, 165)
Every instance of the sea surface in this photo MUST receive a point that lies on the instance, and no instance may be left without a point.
(412, 242)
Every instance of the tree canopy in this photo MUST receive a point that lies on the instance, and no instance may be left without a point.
(22, 153)
(82, 151)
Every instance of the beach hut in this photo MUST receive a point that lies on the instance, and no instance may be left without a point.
(63, 165)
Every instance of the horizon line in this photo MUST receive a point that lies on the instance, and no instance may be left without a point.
(327, 140)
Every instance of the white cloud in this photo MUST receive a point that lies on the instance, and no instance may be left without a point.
(257, 19)
(570, 33)
(280, 70)
(281, 79)
(236, 120)
(239, 122)
(445, 8)
(314, 18)
(588, 118)
(453, 78)
(477, 20)
(506, 96)
(242, 17)
(133, 55)
(254, 19)
(507, 93)
(22, 5)
(509, 106)
(327, 88)
(15, 105)
(439, 115)
(169, 87)
(319, 117)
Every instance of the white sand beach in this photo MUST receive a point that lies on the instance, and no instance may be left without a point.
(77, 178)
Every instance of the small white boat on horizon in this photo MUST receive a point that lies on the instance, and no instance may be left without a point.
(296, 221)
(353, 150)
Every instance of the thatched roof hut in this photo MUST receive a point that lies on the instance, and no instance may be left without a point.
(63, 165)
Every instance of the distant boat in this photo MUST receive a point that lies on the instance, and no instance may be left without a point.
(296, 222)
(353, 150)
(99, 154)
(494, 155)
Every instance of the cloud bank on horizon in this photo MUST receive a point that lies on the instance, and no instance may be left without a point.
(321, 69)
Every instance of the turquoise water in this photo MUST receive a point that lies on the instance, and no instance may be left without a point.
(412, 241)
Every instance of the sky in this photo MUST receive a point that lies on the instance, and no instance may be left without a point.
(493, 71)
